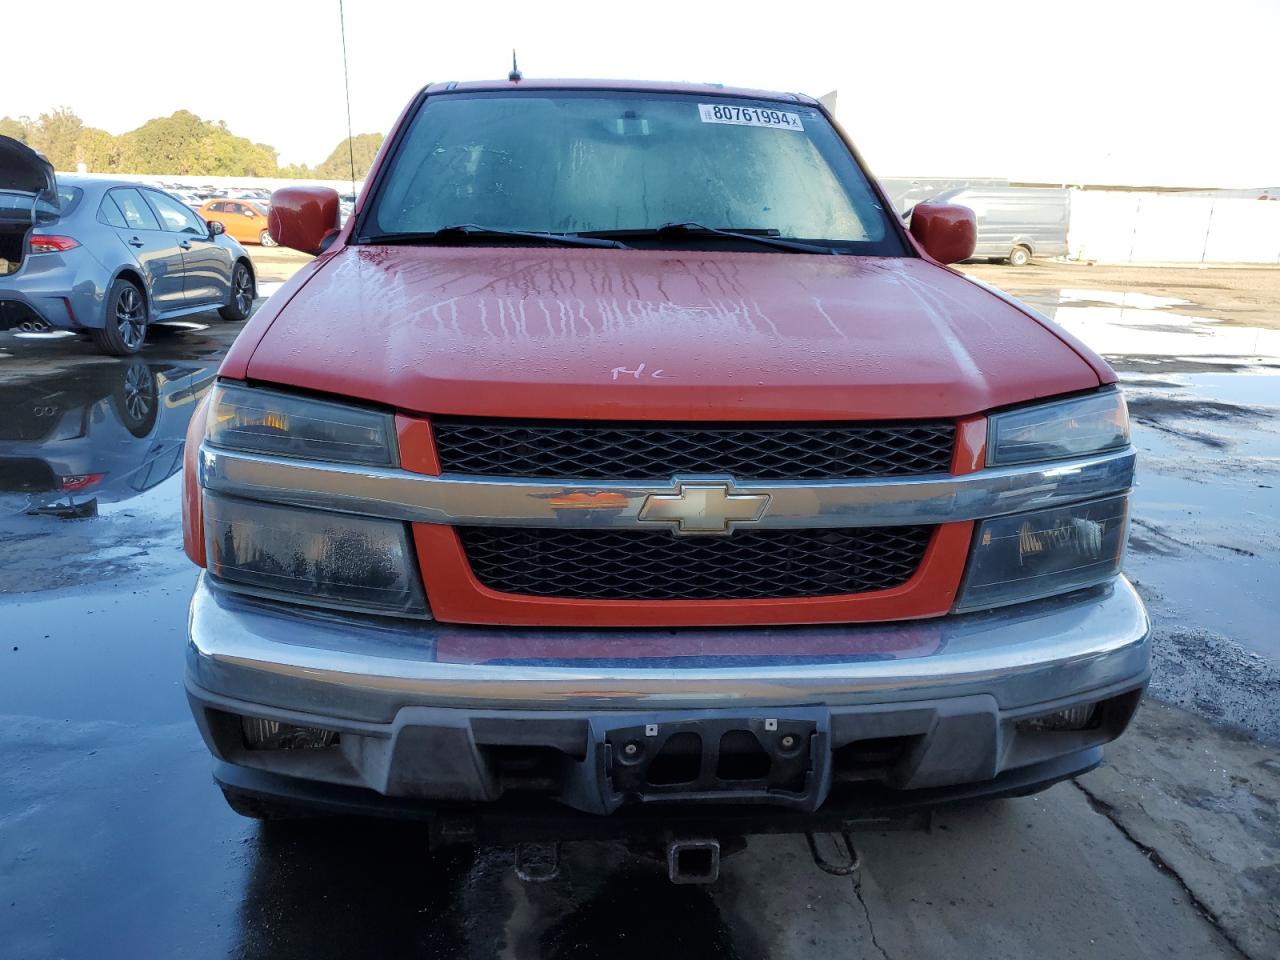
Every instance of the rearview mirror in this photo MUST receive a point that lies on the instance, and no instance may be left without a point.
(304, 218)
(216, 228)
(947, 231)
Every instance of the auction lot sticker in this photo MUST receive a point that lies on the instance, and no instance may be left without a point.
(748, 116)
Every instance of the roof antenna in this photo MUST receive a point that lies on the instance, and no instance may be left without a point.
(346, 83)
(515, 76)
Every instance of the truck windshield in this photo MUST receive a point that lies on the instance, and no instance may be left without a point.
(598, 162)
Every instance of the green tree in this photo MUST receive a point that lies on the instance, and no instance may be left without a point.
(56, 135)
(18, 128)
(296, 171)
(98, 150)
(184, 144)
(337, 166)
(64, 139)
(179, 144)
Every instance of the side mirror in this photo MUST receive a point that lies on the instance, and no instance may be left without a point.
(304, 218)
(216, 228)
(948, 232)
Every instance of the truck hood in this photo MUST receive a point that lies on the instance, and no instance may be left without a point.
(659, 335)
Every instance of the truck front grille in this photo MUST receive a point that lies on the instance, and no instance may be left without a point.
(655, 565)
(647, 451)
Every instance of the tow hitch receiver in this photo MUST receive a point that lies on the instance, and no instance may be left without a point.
(693, 861)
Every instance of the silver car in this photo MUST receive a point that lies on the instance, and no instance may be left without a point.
(108, 257)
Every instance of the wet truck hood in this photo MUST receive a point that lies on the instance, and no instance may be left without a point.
(25, 177)
(650, 335)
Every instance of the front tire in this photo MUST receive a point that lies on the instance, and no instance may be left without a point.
(1019, 257)
(243, 292)
(266, 239)
(124, 329)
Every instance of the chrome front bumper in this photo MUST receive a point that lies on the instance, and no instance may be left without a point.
(418, 704)
(366, 669)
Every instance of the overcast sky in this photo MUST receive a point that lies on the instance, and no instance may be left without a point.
(1117, 91)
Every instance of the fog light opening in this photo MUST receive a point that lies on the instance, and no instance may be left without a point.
(1085, 716)
(262, 734)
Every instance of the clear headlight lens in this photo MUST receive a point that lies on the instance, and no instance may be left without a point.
(1052, 431)
(1031, 555)
(311, 556)
(263, 421)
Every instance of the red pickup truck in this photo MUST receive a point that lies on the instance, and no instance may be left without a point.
(624, 465)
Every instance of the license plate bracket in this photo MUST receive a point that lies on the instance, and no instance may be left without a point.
(777, 757)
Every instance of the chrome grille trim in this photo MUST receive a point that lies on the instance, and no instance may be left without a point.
(467, 500)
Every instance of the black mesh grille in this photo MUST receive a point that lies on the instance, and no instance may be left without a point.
(649, 451)
(644, 565)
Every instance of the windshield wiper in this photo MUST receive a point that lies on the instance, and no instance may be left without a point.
(764, 236)
(465, 232)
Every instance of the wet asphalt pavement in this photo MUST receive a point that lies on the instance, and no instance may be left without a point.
(115, 843)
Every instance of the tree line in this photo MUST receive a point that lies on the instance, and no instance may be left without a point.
(180, 144)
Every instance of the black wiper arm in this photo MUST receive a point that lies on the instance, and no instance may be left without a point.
(473, 231)
(766, 237)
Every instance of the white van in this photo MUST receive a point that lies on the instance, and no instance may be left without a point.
(1016, 223)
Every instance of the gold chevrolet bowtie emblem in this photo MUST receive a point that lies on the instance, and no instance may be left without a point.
(703, 507)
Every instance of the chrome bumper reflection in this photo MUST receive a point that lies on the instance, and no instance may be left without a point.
(454, 499)
(366, 668)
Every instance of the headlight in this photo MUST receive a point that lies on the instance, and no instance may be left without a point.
(1052, 431)
(311, 556)
(1031, 555)
(263, 421)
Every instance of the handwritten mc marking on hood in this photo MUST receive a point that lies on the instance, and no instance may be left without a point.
(536, 333)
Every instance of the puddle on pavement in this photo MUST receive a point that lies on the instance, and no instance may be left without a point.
(1205, 534)
(1126, 324)
(100, 441)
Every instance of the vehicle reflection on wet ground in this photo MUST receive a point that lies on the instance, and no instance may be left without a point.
(112, 432)
(115, 843)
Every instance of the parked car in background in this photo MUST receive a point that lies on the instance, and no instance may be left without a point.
(190, 199)
(1016, 223)
(244, 220)
(601, 465)
(260, 197)
(108, 257)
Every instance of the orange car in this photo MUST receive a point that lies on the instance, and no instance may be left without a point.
(244, 220)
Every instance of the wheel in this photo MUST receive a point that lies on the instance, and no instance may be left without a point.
(266, 239)
(125, 329)
(1019, 257)
(136, 399)
(256, 808)
(243, 292)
